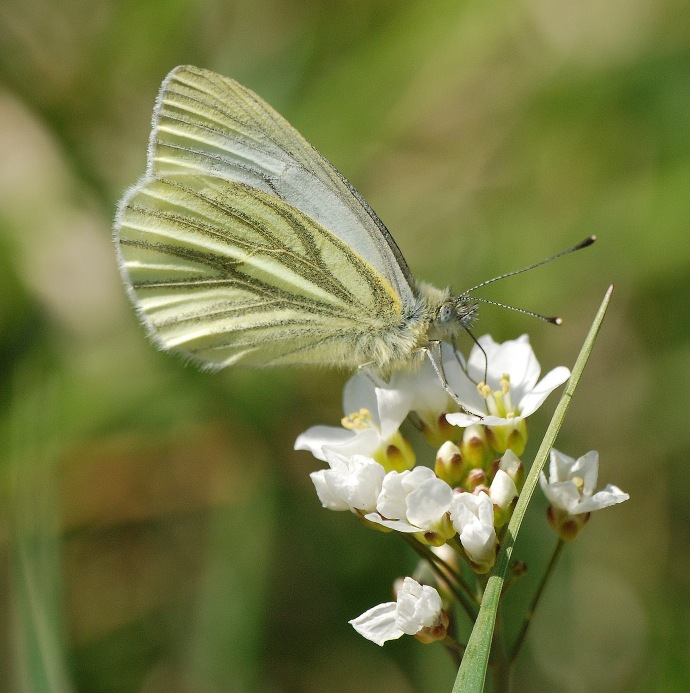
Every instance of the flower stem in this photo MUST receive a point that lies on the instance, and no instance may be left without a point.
(535, 600)
(454, 648)
(448, 575)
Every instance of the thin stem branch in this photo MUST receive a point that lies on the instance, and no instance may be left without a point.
(452, 579)
(535, 600)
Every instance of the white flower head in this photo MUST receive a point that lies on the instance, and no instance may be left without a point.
(370, 426)
(571, 484)
(512, 390)
(418, 611)
(473, 519)
(351, 483)
(415, 501)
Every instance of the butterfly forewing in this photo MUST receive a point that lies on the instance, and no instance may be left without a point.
(227, 273)
(211, 125)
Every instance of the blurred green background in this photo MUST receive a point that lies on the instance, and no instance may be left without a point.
(157, 531)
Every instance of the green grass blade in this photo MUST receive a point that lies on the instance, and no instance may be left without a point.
(472, 672)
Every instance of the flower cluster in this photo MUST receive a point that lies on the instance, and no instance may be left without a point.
(467, 498)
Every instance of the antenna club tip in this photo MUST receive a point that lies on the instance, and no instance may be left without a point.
(556, 321)
(588, 241)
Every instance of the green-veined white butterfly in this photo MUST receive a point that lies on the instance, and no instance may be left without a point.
(243, 244)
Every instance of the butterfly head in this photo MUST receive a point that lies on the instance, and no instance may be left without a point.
(455, 314)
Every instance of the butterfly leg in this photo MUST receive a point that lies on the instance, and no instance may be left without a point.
(437, 365)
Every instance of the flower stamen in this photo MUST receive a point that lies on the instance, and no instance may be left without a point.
(358, 420)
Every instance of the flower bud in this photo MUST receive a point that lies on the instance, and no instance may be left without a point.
(474, 447)
(474, 479)
(449, 464)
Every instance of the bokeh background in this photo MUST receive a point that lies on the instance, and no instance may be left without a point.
(157, 531)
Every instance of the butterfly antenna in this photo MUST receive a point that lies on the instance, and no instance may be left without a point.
(546, 318)
(583, 244)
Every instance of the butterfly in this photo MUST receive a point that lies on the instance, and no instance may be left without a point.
(242, 244)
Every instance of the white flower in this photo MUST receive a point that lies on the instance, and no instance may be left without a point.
(572, 482)
(512, 389)
(473, 519)
(418, 609)
(415, 501)
(370, 427)
(351, 483)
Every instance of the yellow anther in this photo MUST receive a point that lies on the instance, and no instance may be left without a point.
(357, 421)
(484, 390)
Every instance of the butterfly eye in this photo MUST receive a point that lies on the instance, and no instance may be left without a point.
(446, 313)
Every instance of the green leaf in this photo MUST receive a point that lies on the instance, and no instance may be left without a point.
(472, 672)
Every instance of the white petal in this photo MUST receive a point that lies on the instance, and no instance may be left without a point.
(321, 439)
(395, 525)
(611, 495)
(356, 480)
(464, 420)
(516, 358)
(359, 393)
(479, 541)
(418, 606)
(378, 624)
(465, 389)
(510, 463)
(365, 442)
(392, 501)
(587, 467)
(393, 407)
(477, 362)
(315, 438)
(562, 494)
(328, 498)
(472, 517)
(423, 387)
(534, 398)
(502, 490)
(427, 504)
(559, 466)
(417, 476)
